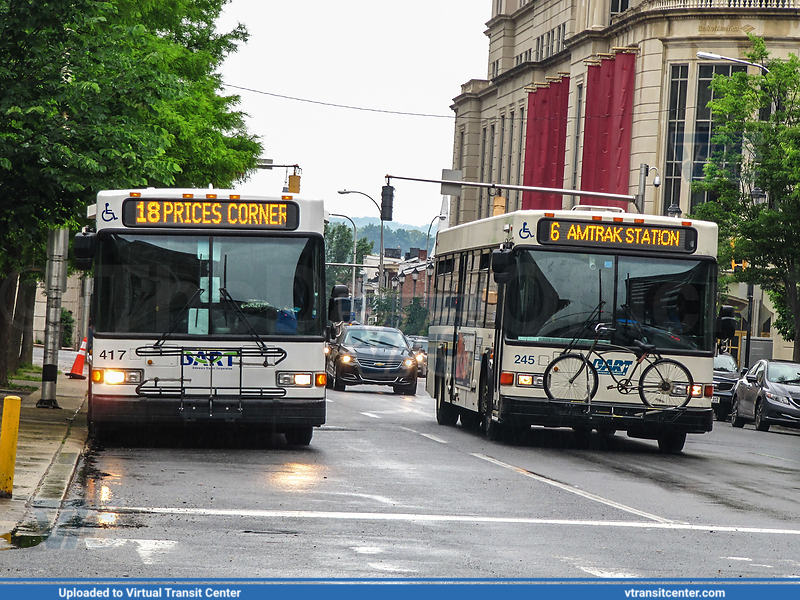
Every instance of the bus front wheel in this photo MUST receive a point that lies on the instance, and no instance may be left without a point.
(446, 413)
(299, 436)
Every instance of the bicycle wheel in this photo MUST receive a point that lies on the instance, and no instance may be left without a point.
(570, 377)
(666, 383)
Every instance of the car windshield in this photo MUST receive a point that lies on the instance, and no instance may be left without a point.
(365, 337)
(725, 362)
(787, 373)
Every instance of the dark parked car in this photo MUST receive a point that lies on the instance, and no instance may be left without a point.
(768, 394)
(726, 375)
(419, 345)
(372, 356)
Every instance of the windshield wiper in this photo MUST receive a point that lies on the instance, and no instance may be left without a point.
(174, 321)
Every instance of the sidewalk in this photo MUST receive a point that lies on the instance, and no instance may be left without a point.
(48, 448)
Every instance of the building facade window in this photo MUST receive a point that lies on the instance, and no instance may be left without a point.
(577, 137)
(704, 126)
(676, 124)
(520, 155)
(483, 174)
(619, 6)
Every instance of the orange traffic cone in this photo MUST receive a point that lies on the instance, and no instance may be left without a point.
(77, 366)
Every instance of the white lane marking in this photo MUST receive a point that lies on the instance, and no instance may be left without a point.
(391, 568)
(381, 499)
(148, 550)
(367, 550)
(428, 518)
(608, 574)
(434, 438)
(366, 414)
(573, 490)
(775, 457)
(738, 558)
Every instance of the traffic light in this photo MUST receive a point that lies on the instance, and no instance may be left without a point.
(387, 201)
(294, 184)
(738, 266)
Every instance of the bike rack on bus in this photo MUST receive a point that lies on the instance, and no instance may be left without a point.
(159, 387)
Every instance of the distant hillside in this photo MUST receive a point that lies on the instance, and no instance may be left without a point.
(395, 235)
(364, 221)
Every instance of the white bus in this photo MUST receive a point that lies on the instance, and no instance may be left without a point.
(208, 307)
(514, 291)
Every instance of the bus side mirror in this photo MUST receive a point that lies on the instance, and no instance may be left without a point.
(501, 260)
(726, 323)
(339, 306)
(84, 246)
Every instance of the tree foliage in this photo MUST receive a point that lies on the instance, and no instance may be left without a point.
(339, 249)
(757, 147)
(104, 95)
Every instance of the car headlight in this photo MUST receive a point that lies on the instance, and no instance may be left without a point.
(346, 358)
(420, 358)
(777, 398)
(408, 362)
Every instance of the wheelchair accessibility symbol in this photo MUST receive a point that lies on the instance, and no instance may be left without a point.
(524, 232)
(108, 214)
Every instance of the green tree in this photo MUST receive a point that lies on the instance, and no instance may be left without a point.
(757, 147)
(416, 322)
(102, 95)
(339, 249)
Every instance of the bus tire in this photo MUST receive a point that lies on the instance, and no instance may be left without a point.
(583, 437)
(484, 399)
(299, 436)
(671, 443)
(446, 413)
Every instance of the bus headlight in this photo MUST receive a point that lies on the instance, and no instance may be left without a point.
(117, 376)
(296, 379)
(529, 380)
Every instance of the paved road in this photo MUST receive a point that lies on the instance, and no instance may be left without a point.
(383, 491)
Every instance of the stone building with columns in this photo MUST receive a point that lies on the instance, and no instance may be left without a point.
(580, 95)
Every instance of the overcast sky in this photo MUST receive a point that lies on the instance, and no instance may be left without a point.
(407, 56)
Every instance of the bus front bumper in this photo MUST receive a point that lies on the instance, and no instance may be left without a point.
(139, 410)
(638, 421)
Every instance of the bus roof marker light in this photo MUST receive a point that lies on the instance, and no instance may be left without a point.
(188, 195)
(686, 223)
(597, 218)
(235, 197)
(211, 196)
(136, 194)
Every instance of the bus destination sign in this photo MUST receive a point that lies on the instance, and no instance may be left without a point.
(604, 234)
(204, 212)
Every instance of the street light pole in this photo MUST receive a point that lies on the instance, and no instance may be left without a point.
(355, 246)
(380, 254)
(428, 239)
(712, 56)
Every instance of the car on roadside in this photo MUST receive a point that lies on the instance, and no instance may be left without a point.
(726, 375)
(369, 355)
(768, 394)
(419, 345)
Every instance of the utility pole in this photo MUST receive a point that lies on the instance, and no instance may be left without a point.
(56, 284)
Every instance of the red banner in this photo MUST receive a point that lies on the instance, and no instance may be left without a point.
(607, 129)
(545, 144)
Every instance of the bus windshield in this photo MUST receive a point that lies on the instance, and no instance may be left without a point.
(190, 285)
(552, 295)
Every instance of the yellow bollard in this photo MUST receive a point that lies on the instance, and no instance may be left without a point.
(8, 444)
